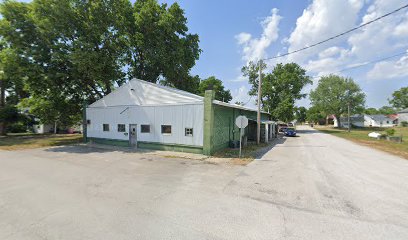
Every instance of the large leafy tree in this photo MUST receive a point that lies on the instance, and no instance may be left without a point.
(335, 93)
(212, 83)
(161, 46)
(301, 114)
(77, 50)
(280, 88)
(400, 98)
(314, 115)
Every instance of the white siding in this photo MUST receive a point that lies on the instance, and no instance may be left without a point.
(178, 116)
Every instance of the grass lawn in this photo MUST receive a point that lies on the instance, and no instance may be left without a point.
(24, 141)
(361, 136)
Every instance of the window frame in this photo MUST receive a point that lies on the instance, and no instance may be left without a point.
(166, 125)
(103, 127)
(144, 125)
(124, 127)
(188, 129)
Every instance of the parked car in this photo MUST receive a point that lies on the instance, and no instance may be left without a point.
(290, 132)
(282, 127)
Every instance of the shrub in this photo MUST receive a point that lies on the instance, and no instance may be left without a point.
(404, 123)
(17, 128)
(390, 132)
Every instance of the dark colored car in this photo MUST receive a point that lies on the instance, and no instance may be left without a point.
(290, 132)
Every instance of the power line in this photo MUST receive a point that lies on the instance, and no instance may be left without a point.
(368, 63)
(340, 34)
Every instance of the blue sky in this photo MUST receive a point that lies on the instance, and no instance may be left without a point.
(233, 32)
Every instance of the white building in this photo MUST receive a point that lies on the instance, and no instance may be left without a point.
(146, 115)
(403, 116)
(377, 121)
(364, 120)
(356, 120)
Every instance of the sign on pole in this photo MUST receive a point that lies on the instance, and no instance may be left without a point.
(241, 122)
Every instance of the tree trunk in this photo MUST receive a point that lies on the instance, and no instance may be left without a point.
(2, 104)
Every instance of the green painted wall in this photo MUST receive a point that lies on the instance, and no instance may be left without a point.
(219, 124)
(225, 129)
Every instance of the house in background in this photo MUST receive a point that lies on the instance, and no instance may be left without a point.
(394, 118)
(43, 128)
(356, 120)
(403, 116)
(378, 120)
(364, 120)
(141, 114)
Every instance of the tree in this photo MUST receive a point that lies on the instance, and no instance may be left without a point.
(75, 50)
(280, 88)
(301, 114)
(400, 98)
(371, 111)
(216, 85)
(335, 93)
(313, 115)
(387, 110)
(160, 45)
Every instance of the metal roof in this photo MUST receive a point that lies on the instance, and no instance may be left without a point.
(139, 92)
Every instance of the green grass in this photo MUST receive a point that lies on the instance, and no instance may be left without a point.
(24, 141)
(360, 135)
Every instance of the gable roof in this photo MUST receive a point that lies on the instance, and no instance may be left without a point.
(141, 93)
(379, 117)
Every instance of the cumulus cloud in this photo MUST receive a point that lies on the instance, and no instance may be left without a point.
(320, 20)
(241, 95)
(255, 48)
(389, 69)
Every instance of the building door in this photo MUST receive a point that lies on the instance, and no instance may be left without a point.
(133, 135)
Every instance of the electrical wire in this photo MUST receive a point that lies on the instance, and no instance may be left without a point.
(339, 35)
(367, 63)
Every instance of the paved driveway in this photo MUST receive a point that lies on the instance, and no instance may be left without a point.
(315, 186)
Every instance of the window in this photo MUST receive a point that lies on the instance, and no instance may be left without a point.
(145, 128)
(121, 128)
(188, 132)
(166, 129)
(106, 127)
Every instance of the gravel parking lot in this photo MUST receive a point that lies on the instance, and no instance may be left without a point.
(315, 186)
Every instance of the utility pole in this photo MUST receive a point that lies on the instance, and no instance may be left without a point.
(258, 135)
(348, 116)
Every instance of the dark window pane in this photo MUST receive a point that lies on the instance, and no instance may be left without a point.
(121, 128)
(145, 128)
(189, 132)
(106, 127)
(166, 129)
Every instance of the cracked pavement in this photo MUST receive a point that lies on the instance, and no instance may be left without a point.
(315, 186)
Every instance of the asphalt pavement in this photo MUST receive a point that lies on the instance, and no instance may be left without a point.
(315, 186)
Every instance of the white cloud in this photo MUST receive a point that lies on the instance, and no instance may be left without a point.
(320, 20)
(241, 95)
(255, 48)
(240, 78)
(389, 69)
